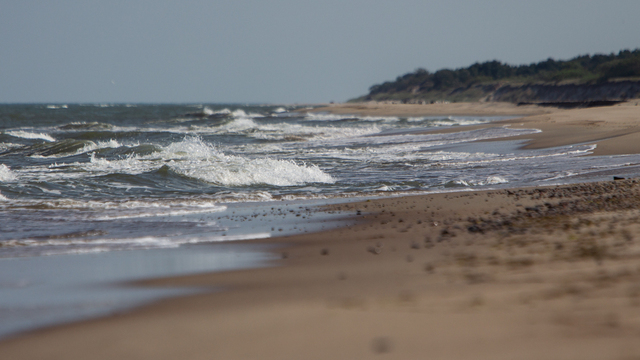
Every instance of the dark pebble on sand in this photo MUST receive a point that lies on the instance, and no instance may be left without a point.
(428, 267)
(382, 345)
(374, 250)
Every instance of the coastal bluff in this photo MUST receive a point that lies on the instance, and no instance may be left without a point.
(585, 80)
(607, 93)
(567, 93)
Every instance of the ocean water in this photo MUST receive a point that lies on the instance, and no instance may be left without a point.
(100, 177)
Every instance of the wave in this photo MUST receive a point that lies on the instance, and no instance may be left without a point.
(193, 158)
(85, 126)
(173, 212)
(208, 112)
(7, 147)
(338, 117)
(29, 135)
(204, 162)
(32, 247)
(241, 114)
(71, 147)
(456, 122)
(6, 174)
(425, 139)
(286, 131)
(93, 146)
(491, 180)
(56, 149)
(485, 159)
(204, 205)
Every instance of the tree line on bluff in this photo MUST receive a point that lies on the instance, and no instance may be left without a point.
(584, 69)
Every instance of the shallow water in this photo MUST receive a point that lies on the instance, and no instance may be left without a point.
(49, 290)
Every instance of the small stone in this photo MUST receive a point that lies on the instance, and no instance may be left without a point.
(375, 250)
(382, 345)
(324, 251)
(428, 267)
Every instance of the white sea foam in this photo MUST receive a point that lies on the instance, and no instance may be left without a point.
(92, 146)
(337, 117)
(201, 205)
(280, 110)
(423, 140)
(491, 180)
(206, 163)
(241, 114)
(80, 246)
(8, 146)
(494, 180)
(6, 174)
(451, 121)
(285, 131)
(485, 159)
(159, 213)
(29, 135)
(194, 158)
(57, 107)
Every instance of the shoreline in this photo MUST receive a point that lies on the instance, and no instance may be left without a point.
(527, 273)
(454, 109)
(539, 272)
(615, 129)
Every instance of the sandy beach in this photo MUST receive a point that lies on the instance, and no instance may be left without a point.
(530, 273)
(614, 128)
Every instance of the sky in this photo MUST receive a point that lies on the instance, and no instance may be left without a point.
(284, 52)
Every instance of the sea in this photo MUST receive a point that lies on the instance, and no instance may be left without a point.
(115, 184)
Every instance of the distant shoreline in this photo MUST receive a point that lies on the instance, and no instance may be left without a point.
(373, 108)
(615, 129)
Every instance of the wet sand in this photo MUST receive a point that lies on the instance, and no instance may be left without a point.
(523, 273)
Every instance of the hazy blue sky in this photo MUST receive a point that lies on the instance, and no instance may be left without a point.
(284, 51)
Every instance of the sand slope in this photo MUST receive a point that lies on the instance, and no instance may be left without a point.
(527, 274)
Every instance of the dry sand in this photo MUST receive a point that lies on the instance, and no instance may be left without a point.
(510, 274)
(464, 108)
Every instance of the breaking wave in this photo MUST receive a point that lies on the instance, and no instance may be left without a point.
(29, 135)
(491, 180)
(6, 174)
(196, 159)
